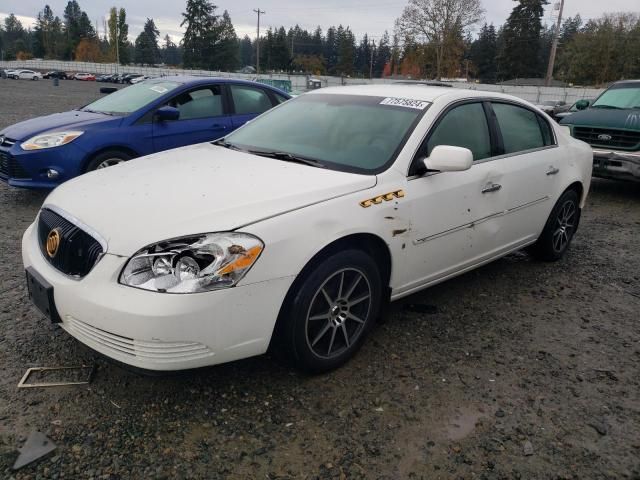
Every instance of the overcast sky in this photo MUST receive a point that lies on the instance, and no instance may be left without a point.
(373, 17)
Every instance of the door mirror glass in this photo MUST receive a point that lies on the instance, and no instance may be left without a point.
(445, 158)
(166, 114)
(582, 104)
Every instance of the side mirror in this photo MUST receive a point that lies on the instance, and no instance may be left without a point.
(583, 104)
(445, 158)
(108, 90)
(167, 114)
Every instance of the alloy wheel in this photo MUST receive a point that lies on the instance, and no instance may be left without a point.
(338, 313)
(109, 162)
(565, 226)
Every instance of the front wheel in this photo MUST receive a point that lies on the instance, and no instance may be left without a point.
(107, 159)
(331, 311)
(35, 78)
(559, 229)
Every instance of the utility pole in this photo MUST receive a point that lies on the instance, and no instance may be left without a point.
(259, 12)
(373, 49)
(554, 47)
(117, 42)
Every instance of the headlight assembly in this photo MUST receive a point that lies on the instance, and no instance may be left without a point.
(193, 264)
(50, 140)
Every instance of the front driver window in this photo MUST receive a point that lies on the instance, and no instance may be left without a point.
(201, 103)
(464, 126)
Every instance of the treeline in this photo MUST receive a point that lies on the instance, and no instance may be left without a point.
(421, 46)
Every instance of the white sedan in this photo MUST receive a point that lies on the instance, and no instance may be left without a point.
(25, 75)
(295, 229)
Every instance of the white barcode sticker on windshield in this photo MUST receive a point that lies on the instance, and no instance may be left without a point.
(405, 102)
(159, 89)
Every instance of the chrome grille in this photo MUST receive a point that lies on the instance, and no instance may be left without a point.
(608, 138)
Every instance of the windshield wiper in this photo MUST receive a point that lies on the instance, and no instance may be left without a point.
(289, 157)
(223, 143)
(609, 107)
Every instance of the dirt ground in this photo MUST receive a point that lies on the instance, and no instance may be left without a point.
(518, 370)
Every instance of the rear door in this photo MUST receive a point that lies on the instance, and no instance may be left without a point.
(248, 102)
(530, 166)
(204, 116)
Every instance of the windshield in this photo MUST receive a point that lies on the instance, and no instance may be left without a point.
(620, 96)
(131, 98)
(344, 132)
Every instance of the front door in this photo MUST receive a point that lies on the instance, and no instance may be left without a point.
(454, 215)
(203, 118)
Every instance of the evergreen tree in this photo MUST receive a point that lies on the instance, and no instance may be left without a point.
(224, 44)
(246, 51)
(171, 54)
(484, 52)
(147, 51)
(200, 21)
(520, 56)
(13, 37)
(383, 55)
(346, 51)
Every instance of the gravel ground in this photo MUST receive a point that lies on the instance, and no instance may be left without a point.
(517, 370)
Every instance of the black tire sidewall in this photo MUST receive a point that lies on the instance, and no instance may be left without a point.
(101, 157)
(543, 248)
(296, 313)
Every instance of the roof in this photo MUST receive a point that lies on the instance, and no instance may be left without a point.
(415, 92)
(195, 80)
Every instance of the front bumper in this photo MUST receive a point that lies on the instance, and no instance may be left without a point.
(28, 169)
(156, 331)
(616, 165)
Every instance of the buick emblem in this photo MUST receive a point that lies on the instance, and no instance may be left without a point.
(604, 137)
(53, 242)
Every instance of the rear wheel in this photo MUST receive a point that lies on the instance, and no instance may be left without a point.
(107, 159)
(331, 311)
(35, 77)
(559, 229)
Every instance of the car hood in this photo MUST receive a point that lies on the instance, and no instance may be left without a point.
(193, 190)
(57, 121)
(600, 117)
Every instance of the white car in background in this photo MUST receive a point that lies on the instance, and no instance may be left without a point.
(24, 75)
(294, 230)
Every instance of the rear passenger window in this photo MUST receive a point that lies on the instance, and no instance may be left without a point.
(520, 128)
(464, 126)
(249, 100)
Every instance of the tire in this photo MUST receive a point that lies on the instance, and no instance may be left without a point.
(559, 229)
(107, 158)
(330, 311)
(35, 78)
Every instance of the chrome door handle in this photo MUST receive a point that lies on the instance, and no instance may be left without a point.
(553, 171)
(494, 187)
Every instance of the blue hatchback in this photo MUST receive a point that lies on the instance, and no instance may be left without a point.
(148, 117)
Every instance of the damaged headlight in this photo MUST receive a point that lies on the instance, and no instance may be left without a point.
(193, 264)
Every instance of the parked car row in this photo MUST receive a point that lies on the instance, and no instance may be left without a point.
(129, 78)
(22, 74)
